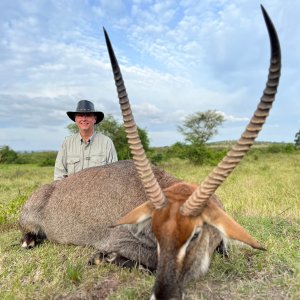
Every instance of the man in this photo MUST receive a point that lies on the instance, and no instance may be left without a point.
(87, 148)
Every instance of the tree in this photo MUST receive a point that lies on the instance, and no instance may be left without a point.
(110, 127)
(7, 155)
(198, 128)
(297, 139)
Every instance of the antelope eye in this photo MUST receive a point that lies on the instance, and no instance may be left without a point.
(196, 234)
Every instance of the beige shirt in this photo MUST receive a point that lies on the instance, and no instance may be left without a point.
(76, 155)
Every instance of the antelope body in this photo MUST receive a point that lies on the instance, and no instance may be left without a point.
(78, 211)
(142, 214)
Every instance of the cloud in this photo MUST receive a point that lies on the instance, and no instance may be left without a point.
(232, 118)
(176, 58)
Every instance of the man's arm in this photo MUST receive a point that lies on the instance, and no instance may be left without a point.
(111, 153)
(60, 168)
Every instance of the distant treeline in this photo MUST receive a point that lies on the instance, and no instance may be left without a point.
(198, 154)
(212, 153)
(42, 158)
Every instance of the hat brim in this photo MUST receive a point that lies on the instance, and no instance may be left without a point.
(99, 115)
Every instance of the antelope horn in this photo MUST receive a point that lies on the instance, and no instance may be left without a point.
(153, 190)
(194, 204)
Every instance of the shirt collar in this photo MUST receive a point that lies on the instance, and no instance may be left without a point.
(90, 140)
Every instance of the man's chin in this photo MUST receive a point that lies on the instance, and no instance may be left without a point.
(85, 127)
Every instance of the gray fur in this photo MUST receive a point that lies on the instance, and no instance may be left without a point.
(79, 210)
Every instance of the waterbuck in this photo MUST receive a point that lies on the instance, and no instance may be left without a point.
(138, 214)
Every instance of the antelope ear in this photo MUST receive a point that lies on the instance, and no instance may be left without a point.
(137, 215)
(215, 216)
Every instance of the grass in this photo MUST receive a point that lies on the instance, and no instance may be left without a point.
(260, 185)
(262, 194)
(17, 182)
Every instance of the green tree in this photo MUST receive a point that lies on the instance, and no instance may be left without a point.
(297, 139)
(199, 127)
(7, 155)
(110, 127)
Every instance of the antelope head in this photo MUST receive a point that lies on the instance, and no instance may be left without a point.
(186, 217)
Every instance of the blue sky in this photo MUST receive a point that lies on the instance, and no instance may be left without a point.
(177, 58)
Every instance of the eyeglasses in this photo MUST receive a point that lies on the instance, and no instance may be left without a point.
(89, 115)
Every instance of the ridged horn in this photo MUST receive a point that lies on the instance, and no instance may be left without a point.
(152, 188)
(194, 204)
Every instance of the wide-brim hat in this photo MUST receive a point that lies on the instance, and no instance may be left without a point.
(86, 107)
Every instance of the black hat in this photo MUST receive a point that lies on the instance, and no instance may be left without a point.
(86, 107)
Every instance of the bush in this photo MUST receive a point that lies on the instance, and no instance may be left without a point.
(201, 154)
(7, 155)
(156, 158)
(260, 151)
(280, 148)
(48, 161)
(178, 150)
(196, 153)
(297, 139)
(42, 158)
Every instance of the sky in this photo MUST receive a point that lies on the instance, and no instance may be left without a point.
(176, 57)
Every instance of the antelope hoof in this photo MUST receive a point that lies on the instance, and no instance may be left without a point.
(111, 258)
(100, 257)
(97, 258)
(115, 258)
(28, 241)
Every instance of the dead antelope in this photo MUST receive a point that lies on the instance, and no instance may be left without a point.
(138, 214)
(181, 212)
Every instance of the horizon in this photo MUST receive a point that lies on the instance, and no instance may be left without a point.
(156, 147)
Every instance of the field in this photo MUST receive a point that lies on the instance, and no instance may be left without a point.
(262, 194)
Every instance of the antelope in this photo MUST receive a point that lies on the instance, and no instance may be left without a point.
(138, 214)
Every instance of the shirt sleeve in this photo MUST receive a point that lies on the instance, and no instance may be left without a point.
(111, 153)
(60, 168)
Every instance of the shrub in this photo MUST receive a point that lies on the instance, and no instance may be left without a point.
(156, 158)
(196, 153)
(281, 148)
(7, 155)
(42, 158)
(201, 154)
(178, 150)
(297, 139)
(48, 161)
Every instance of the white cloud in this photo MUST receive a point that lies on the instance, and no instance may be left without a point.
(232, 118)
(147, 109)
(176, 57)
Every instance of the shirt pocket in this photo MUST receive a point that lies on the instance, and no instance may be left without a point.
(73, 164)
(97, 160)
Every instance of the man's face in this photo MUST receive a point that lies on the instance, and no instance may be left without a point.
(85, 122)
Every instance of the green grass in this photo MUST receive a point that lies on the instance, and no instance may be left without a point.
(17, 182)
(264, 185)
(262, 194)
